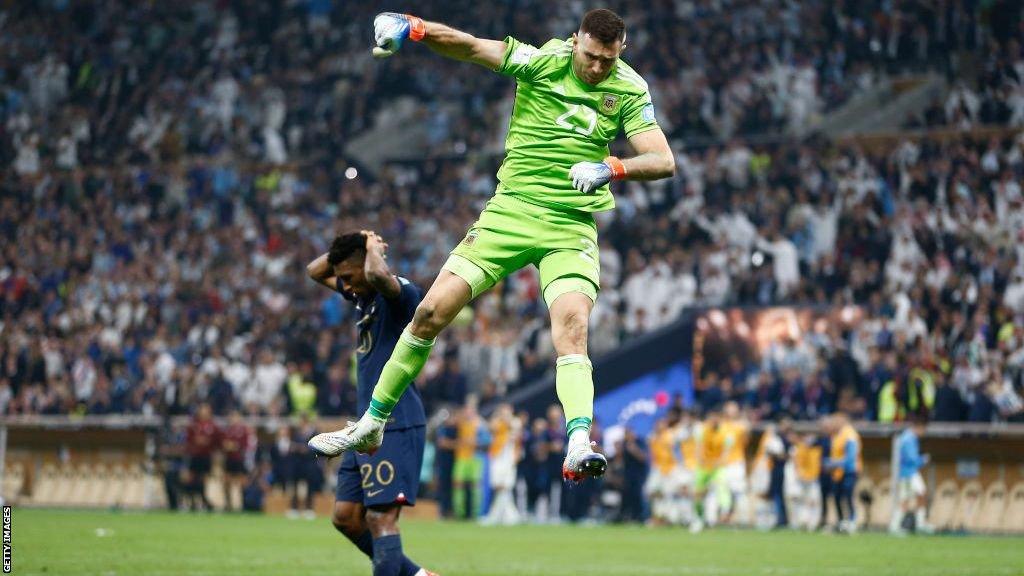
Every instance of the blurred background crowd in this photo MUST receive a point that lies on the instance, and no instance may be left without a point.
(169, 168)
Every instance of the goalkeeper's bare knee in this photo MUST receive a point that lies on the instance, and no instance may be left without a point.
(428, 321)
(445, 299)
(570, 323)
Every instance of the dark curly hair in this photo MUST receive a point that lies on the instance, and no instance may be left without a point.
(344, 246)
(603, 25)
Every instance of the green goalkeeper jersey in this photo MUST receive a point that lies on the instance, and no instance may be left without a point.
(559, 120)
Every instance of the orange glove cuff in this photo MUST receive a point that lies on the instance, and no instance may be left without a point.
(618, 170)
(417, 29)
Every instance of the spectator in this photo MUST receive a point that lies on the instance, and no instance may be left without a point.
(446, 435)
(268, 381)
(171, 455)
(255, 490)
(202, 439)
(537, 445)
(238, 445)
(306, 469)
(634, 457)
(450, 386)
(778, 450)
(282, 461)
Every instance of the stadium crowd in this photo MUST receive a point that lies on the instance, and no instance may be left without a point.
(155, 221)
(104, 82)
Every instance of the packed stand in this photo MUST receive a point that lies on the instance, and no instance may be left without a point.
(924, 236)
(90, 82)
(147, 289)
(155, 233)
(996, 99)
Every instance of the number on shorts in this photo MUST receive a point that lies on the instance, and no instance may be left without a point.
(366, 470)
(384, 474)
(385, 469)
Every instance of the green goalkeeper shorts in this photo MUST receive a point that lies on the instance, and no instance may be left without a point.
(512, 233)
(469, 470)
(704, 478)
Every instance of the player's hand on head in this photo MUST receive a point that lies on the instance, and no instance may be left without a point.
(390, 30)
(589, 176)
(374, 242)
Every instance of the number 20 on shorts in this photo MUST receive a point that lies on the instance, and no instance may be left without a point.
(383, 474)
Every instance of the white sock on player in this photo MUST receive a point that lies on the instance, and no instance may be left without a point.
(579, 436)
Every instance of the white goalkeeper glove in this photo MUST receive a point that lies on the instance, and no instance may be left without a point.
(589, 176)
(390, 29)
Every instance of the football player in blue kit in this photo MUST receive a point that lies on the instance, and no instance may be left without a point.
(373, 488)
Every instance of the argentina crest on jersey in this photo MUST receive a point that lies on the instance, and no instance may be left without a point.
(609, 103)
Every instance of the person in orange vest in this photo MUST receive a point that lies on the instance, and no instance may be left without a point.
(760, 478)
(713, 444)
(804, 490)
(471, 441)
(683, 476)
(734, 472)
(506, 432)
(845, 463)
(657, 488)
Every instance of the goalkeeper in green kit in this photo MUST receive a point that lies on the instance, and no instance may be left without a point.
(572, 98)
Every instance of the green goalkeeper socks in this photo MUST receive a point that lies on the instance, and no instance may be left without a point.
(410, 354)
(574, 382)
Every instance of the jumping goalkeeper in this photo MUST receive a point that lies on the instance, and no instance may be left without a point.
(573, 97)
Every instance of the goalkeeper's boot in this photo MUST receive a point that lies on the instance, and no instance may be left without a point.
(581, 462)
(364, 436)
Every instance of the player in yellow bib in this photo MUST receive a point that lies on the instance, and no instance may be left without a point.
(803, 488)
(713, 445)
(846, 463)
(658, 488)
(573, 97)
(506, 435)
(737, 429)
(686, 472)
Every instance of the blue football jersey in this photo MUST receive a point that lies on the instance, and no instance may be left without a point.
(380, 324)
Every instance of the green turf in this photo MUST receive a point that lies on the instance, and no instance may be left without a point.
(57, 542)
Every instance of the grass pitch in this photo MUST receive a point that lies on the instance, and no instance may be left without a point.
(55, 542)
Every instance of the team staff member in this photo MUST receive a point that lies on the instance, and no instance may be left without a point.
(846, 464)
